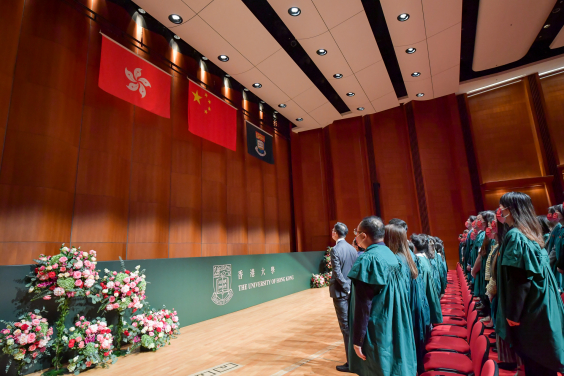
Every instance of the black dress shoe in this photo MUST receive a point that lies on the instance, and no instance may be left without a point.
(492, 335)
(343, 368)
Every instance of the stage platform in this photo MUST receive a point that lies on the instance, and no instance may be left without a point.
(294, 335)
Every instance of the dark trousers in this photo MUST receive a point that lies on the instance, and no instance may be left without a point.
(533, 368)
(342, 311)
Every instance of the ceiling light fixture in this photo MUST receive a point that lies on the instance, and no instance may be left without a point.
(275, 112)
(204, 58)
(256, 85)
(175, 18)
(142, 11)
(350, 94)
(410, 50)
(360, 108)
(420, 94)
(546, 26)
(223, 58)
(227, 76)
(338, 75)
(294, 11)
(299, 119)
(322, 52)
(262, 102)
(403, 17)
(245, 89)
(415, 74)
(176, 37)
(282, 105)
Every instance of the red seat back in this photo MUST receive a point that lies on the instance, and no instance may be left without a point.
(477, 330)
(479, 350)
(490, 369)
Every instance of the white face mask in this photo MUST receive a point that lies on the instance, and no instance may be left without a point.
(500, 217)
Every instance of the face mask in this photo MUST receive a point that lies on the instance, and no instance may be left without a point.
(499, 216)
(491, 232)
(552, 217)
(474, 224)
(480, 225)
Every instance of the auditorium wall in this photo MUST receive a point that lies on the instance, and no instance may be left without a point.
(83, 167)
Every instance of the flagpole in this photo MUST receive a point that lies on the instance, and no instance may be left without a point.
(262, 130)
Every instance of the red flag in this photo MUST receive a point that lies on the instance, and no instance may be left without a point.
(133, 79)
(211, 118)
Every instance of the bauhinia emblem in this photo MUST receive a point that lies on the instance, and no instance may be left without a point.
(222, 284)
(137, 82)
(260, 144)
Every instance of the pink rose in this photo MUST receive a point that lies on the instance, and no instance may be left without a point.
(87, 263)
(78, 283)
(88, 331)
(112, 299)
(134, 325)
(59, 291)
(48, 297)
(63, 269)
(31, 338)
(32, 348)
(35, 322)
(55, 266)
(77, 275)
(63, 259)
(81, 344)
(77, 323)
(78, 264)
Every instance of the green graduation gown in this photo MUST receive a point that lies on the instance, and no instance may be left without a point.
(430, 288)
(555, 241)
(540, 335)
(480, 282)
(388, 345)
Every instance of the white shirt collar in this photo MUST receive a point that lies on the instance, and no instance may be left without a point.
(338, 240)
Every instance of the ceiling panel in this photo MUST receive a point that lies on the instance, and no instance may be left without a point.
(164, 8)
(269, 92)
(207, 41)
(308, 24)
(235, 22)
(282, 70)
(355, 40)
(310, 99)
(559, 40)
(335, 12)
(416, 62)
(440, 15)
(325, 114)
(424, 86)
(407, 32)
(386, 102)
(446, 82)
(350, 84)
(375, 81)
(333, 62)
(444, 49)
(195, 5)
(506, 30)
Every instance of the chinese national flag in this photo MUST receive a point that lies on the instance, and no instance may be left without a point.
(133, 79)
(211, 118)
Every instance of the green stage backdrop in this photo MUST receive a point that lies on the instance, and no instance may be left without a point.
(199, 288)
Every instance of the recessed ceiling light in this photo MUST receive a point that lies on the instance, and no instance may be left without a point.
(294, 11)
(360, 108)
(223, 58)
(175, 18)
(546, 26)
(350, 94)
(282, 105)
(321, 52)
(227, 76)
(245, 89)
(176, 36)
(299, 119)
(420, 94)
(338, 75)
(262, 102)
(556, 10)
(403, 17)
(410, 50)
(256, 85)
(415, 74)
(204, 58)
(275, 112)
(142, 11)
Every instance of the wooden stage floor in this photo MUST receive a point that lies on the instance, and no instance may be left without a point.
(294, 335)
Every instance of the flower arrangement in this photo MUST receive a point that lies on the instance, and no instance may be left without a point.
(152, 329)
(327, 259)
(92, 342)
(70, 273)
(26, 340)
(323, 279)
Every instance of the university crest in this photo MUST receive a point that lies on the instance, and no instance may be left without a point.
(260, 144)
(222, 284)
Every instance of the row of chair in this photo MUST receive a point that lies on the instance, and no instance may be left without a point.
(459, 345)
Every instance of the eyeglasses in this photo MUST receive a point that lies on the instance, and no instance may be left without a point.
(356, 233)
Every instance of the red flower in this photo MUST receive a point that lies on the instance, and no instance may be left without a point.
(71, 344)
(129, 293)
(106, 354)
(37, 328)
(167, 316)
(25, 327)
(126, 333)
(134, 309)
(159, 330)
(36, 270)
(52, 275)
(52, 288)
(127, 272)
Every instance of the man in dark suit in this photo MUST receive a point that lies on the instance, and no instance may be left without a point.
(343, 256)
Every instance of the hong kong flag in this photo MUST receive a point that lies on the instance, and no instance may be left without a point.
(211, 118)
(133, 79)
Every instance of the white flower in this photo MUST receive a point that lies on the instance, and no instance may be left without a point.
(93, 259)
(116, 294)
(71, 328)
(75, 359)
(125, 289)
(49, 267)
(110, 284)
(64, 249)
(144, 330)
(71, 367)
(31, 289)
(85, 254)
(89, 283)
(105, 291)
(65, 338)
(10, 342)
(161, 334)
(107, 271)
(67, 275)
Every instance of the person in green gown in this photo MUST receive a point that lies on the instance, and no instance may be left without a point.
(468, 247)
(422, 252)
(530, 315)
(382, 329)
(479, 236)
(484, 221)
(555, 246)
(396, 240)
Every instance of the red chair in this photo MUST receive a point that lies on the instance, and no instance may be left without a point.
(454, 344)
(490, 368)
(454, 330)
(443, 362)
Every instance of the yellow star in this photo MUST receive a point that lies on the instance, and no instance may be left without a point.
(197, 97)
(209, 102)
(209, 108)
(206, 94)
(206, 111)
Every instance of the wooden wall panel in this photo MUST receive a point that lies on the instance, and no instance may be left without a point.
(553, 89)
(282, 164)
(313, 228)
(38, 172)
(270, 185)
(351, 178)
(398, 197)
(502, 128)
(538, 197)
(9, 40)
(445, 169)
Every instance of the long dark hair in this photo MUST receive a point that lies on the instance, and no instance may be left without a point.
(488, 216)
(396, 239)
(544, 223)
(524, 216)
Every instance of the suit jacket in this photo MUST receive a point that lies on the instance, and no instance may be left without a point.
(343, 256)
